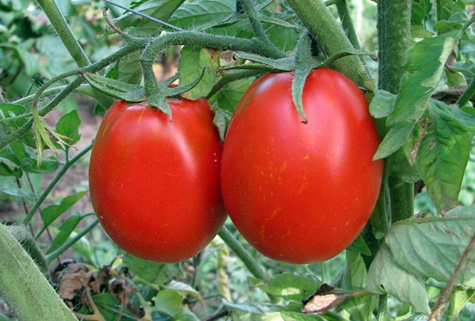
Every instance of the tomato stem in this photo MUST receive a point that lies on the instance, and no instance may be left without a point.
(242, 253)
(320, 22)
(60, 25)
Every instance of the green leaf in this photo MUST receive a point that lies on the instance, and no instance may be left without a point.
(192, 62)
(354, 278)
(441, 149)
(16, 194)
(393, 140)
(254, 312)
(194, 14)
(9, 168)
(433, 246)
(168, 302)
(183, 289)
(52, 212)
(291, 286)
(129, 70)
(425, 65)
(228, 97)
(460, 297)
(158, 9)
(24, 158)
(382, 104)
(116, 88)
(385, 276)
(359, 246)
(65, 230)
(10, 110)
(297, 316)
(30, 60)
(107, 305)
(151, 272)
(68, 126)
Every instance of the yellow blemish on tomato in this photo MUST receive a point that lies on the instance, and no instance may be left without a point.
(267, 220)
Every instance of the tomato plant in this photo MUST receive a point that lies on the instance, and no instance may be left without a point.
(299, 181)
(154, 183)
(301, 192)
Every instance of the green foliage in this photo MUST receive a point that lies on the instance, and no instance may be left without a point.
(219, 49)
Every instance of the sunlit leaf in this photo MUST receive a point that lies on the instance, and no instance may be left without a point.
(292, 286)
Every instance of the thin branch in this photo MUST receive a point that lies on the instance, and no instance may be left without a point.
(48, 189)
(446, 292)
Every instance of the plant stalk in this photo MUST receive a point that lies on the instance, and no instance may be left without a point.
(242, 253)
(56, 18)
(24, 288)
(394, 31)
(319, 21)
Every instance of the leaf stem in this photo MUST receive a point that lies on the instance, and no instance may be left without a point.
(198, 39)
(242, 253)
(53, 255)
(256, 26)
(53, 182)
(56, 18)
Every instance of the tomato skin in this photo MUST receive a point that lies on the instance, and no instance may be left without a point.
(301, 193)
(154, 183)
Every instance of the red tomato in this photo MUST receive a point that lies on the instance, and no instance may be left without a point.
(301, 193)
(154, 183)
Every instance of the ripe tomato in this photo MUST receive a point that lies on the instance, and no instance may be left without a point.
(154, 183)
(301, 192)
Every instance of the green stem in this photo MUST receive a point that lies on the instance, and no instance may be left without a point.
(347, 23)
(394, 27)
(469, 92)
(319, 21)
(24, 288)
(256, 25)
(242, 253)
(53, 182)
(53, 255)
(56, 18)
(394, 30)
(198, 39)
(22, 235)
(82, 89)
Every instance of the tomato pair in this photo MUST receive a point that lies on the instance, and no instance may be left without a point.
(298, 192)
